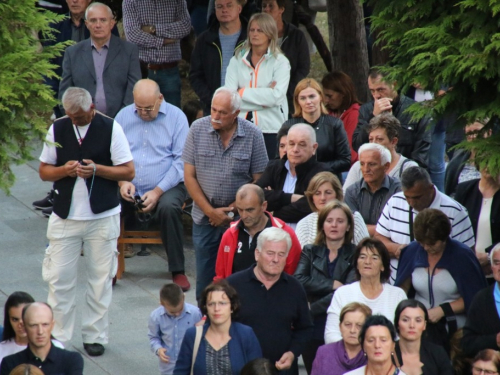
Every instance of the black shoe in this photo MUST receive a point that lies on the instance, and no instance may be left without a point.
(94, 350)
(47, 211)
(45, 202)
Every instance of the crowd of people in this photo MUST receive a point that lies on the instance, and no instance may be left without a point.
(322, 227)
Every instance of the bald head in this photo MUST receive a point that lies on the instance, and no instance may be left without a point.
(301, 144)
(147, 99)
(38, 321)
(251, 190)
(35, 308)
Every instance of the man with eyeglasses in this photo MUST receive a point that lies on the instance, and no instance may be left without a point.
(156, 132)
(105, 65)
(157, 28)
(274, 303)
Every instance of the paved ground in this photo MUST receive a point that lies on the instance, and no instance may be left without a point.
(22, 244)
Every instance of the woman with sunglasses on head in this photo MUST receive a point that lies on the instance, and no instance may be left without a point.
(225, 346)
(416, 356)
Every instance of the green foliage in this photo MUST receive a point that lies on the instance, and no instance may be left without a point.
(25, 101)
(452, 43)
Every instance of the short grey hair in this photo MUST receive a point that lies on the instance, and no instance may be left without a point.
(76, 98)
(233, 95)
(413, 175)
(274, 234)
(493, 251)
(385, 154)
(308, 128)
(93, 5)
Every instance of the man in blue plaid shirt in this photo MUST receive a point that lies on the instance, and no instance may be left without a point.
(157, 28)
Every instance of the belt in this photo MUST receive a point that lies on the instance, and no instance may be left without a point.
(163, 66)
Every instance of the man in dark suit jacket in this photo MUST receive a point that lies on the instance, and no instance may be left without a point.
(71, 28)
(285, 181)
(104, 65)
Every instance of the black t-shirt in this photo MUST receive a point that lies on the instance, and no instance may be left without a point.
(244, 256)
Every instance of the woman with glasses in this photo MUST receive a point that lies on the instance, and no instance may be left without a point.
(225, 346)
(486, 362)
(371, 262)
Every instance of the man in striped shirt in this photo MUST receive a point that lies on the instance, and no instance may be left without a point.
(395, 225)
(156, 132)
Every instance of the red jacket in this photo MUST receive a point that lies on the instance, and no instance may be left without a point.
(350, 119)
(229, 243)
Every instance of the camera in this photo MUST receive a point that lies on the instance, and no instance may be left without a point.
(138, 202)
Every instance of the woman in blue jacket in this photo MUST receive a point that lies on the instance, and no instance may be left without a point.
(225, 346)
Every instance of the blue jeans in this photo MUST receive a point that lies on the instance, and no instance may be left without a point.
(206, 241)
(437, 166)
(199, 19)
(169, 81)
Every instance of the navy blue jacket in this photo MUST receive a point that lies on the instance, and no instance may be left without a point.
(243, 347)
(459, 260)
(58, 362)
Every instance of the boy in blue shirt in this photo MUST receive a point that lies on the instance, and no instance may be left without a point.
(168, 324)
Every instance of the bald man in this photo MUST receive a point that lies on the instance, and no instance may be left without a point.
(237, 248)
(38, 322)
(156, 132)
(284, 183)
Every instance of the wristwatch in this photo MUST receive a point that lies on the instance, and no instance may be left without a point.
(152, 29)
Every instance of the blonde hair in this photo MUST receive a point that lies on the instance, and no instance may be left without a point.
(26, 369)
(268, 26)
(302, 85)
(318, 180)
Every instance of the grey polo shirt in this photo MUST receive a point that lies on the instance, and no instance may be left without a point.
(370, 205)
(220, 172)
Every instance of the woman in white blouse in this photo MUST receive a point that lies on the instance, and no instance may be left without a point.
(372, 266)
(322, 189)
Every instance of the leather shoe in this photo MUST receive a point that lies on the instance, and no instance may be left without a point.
(94, 350)
(181, 280)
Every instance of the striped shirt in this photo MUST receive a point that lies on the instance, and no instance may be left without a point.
(220, 172)
(156, 146)
(171, 20)
(394, 221)
(306, 230)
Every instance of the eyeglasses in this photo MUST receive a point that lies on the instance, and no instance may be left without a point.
(147, 109)
(220, 304)
(479, 370)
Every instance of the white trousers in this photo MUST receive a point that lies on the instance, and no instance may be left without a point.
(60, 270)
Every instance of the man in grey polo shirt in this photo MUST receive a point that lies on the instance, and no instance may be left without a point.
(369, 195)
(222, 152)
